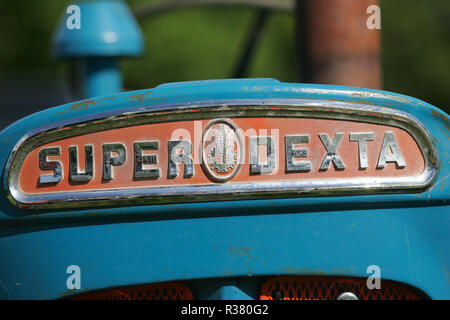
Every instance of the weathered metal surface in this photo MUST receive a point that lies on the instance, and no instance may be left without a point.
(261, 148)
(405, 234)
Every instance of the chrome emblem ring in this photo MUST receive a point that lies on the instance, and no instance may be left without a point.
(222, 150)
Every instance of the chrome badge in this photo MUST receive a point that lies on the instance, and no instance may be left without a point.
(213, 151)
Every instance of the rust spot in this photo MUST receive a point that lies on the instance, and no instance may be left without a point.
(138, 97)
(306, 271)
(443, 117)
(107, 98)
(440, 115)
(239, 251)
(294, 270)
(141, 97)
(83, 105)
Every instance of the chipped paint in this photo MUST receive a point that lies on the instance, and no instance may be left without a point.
(139, 97)
(144, 97)
(369, 94)
(82, 105)
(442, 116)
(239, 252)
(307, 271)
(296, 270)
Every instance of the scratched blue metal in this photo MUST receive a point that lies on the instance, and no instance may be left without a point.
(407, 235)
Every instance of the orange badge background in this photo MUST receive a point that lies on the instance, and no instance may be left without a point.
(123, 175)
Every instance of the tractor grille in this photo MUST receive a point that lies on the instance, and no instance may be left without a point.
(329, 288)
(157, 291)
(278, 288)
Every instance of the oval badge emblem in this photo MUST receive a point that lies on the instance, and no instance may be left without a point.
(222, 150)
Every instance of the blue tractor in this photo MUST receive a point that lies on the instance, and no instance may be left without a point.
(220, 189)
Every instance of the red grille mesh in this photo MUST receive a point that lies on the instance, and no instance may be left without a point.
(329, 288)
(156, 291)
(278, 288)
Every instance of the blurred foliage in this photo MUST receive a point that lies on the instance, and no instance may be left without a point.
(416, 49)
(205, 43)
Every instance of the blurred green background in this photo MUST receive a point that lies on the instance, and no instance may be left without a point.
(205, 43)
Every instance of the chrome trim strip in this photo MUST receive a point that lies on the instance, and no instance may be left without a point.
(297, 108)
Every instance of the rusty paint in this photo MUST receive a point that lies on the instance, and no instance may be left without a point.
(107, 98)
(443, 117)
(240, 252)
(439, 115)
(82, 105)
(295, 270)
(307, 271)
(142, 97)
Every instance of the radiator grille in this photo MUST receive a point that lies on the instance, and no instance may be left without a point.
(329, 288)
(278, 288)
(157, 291)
